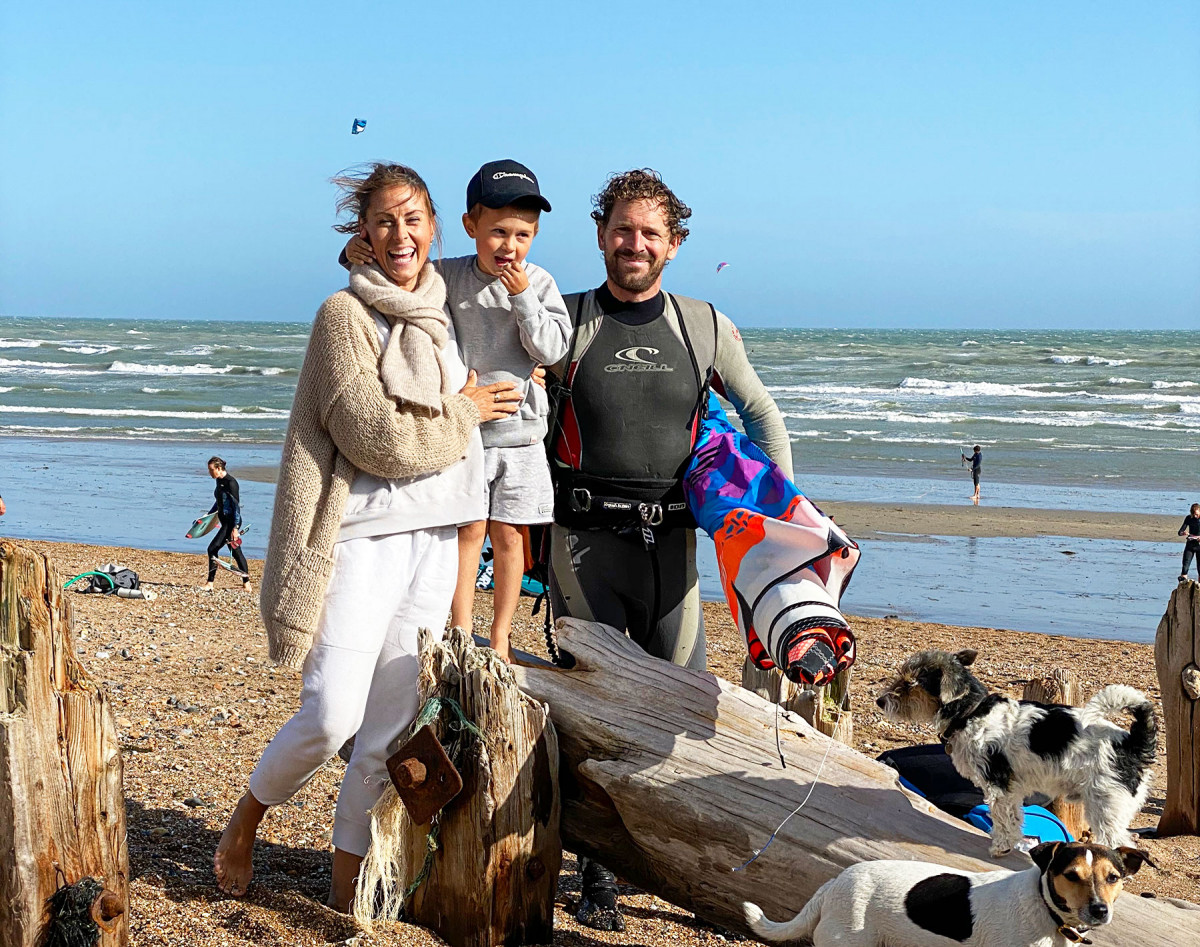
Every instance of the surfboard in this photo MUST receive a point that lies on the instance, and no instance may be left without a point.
(229, 567)
(205, 524)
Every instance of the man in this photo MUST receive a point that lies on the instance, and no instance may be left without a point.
(623, 546)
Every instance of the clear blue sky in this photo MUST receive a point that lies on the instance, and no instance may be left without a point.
(863, 164)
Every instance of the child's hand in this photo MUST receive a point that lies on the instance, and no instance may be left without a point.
(514, 279)
(359, 252)
(539, 375)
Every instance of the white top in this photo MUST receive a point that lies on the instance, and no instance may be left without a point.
(450, 497)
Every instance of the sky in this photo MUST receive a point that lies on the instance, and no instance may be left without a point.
(927, 164)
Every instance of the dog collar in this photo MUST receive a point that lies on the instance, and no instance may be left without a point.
(959, 720)
(1074, 934)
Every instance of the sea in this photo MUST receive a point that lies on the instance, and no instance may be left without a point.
(105, 427)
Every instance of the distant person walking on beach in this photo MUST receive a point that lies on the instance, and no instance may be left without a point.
(381, 464)
(976, 459)
(1191, 545)
(227, 504)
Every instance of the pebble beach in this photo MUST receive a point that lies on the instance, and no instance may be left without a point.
(196, 700)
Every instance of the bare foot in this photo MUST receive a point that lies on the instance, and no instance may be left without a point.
(233, 861)
(206, 588)
(246, 587)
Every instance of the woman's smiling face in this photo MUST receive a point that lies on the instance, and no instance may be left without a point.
(400, 227)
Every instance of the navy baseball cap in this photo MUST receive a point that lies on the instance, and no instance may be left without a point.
(501, 183)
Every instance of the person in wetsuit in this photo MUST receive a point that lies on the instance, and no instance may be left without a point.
(629, 394)
(227, 505)
(976, 470)
(1191, 545)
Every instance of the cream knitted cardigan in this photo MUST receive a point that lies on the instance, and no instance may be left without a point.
(342, 421)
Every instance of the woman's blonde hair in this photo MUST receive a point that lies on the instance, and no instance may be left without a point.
(359, 185)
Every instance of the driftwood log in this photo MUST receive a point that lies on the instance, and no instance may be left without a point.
(62, 813)
(670, 778)
(1177, 659)
(1060, 687)
(494, 877)
(825, 708)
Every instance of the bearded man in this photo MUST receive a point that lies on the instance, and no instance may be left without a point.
(630, 392)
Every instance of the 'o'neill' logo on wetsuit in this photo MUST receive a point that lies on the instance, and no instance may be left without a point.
(636, 359)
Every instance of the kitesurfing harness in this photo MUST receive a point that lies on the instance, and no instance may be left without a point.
(604, 478)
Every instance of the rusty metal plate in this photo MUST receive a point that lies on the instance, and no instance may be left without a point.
(423, 775)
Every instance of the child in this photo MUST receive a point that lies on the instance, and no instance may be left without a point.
(508, 318)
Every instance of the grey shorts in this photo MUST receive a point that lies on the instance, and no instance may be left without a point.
(517, 481)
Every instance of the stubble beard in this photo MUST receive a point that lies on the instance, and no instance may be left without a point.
(631, 282)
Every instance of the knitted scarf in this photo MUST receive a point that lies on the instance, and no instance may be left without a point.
(411, 367)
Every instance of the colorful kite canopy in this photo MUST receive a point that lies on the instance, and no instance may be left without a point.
(784, 564)
(360, 125)
(721, 266)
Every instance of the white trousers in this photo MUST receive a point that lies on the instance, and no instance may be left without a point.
(360, 676)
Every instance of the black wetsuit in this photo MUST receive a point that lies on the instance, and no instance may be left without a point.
(227, 505)
(634, 397)
(976, 467)
(1191, 548)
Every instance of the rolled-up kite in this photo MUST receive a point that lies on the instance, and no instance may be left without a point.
(784, 564)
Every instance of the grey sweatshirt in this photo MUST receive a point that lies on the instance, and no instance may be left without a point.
(503, 337)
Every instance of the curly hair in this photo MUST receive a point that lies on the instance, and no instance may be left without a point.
(642, 184)
(359, 185)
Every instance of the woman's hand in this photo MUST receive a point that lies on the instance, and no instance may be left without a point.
(497, 400)
(359, 252)
(539, 375)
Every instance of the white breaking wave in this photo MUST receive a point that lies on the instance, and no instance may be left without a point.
(1110, 362)
(263, 413)
(136, 368)
(4, 389)
(152, 391)
(89, 349)
(966, 389)
(196, 350)
(30, 363)
(1065, 359)
(20, 344)
(966, 342)
(1124, 381)
(1173, 384)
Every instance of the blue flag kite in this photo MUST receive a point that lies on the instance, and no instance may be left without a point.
(360, 124)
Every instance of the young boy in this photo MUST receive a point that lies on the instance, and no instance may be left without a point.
(508, 318)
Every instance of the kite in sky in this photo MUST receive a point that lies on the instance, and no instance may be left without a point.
(360, 125)
(721, 266)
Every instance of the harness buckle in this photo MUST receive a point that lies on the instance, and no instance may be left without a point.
(651, 513)
(581, 499)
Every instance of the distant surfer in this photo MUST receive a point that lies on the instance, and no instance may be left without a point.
(976, 460)
(1191, 545)
(228, 507)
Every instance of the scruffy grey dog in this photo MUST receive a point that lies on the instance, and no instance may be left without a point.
(1070, 890)
(1012, 749)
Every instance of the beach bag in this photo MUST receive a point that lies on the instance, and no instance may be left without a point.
(928, 771)
(108, 579)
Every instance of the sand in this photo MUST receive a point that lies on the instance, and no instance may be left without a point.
(196, 701)
(866, 521)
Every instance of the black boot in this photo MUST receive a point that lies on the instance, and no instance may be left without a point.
(598, 907)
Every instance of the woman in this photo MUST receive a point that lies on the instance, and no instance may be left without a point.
(381, 463)
(227, 504)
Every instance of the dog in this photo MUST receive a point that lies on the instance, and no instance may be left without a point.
(1012, 749)
(1069, 890)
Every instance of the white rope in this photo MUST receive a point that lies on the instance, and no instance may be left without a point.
(816, 779)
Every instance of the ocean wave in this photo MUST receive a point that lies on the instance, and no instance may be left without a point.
(20, 344)
(1124, 381)
(261, 413)
(966, 342)
(4, 389)
(195, 350)
(30, 363)
(89, 349)
(153, 391)
(1109, 362)
(966, 389)
(1088, 360)
(1065, 359)
(200, 368)
(1172, 384)
(136, 368)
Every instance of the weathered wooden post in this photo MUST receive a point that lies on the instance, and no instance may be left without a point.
(825, 708)
(494, 875)
(62, 812)
(1177, 659)
(1060, 688)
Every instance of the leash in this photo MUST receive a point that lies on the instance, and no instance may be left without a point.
(816, 779)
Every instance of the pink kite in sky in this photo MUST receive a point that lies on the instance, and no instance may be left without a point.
(721, 266)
